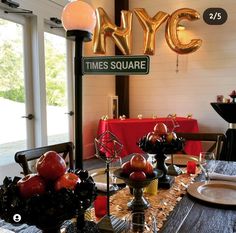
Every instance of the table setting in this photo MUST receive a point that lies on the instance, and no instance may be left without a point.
(203, 184)
(199, 185)
(193, 185)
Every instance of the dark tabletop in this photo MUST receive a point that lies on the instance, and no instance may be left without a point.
(192, 215)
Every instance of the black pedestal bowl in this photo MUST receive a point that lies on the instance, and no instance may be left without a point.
(47, 211)
(138, 203)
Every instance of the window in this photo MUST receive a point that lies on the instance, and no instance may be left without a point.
(12, 90)
(24, 87)
(56, 88)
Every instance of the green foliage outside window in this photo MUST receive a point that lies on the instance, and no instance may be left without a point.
(55, 75)
(12, 74)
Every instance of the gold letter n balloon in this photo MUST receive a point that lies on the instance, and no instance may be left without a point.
(171, 31)
(120, 35)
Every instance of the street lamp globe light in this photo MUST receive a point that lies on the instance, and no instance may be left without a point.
(78, 15)
(78, 19)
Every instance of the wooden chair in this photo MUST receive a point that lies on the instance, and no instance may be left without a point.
(64, 149)
(216, 138)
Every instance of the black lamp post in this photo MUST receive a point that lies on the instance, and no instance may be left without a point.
(78, 19)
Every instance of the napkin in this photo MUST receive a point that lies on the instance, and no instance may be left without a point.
(217, 176)
(103, 187)
(2, 230)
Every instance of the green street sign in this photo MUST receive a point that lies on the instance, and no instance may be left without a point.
(116, 65)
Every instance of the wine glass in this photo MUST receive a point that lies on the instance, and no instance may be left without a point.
(114, 165)
(207, 163)
(140, 222)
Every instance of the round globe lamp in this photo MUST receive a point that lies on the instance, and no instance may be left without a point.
(78, 19)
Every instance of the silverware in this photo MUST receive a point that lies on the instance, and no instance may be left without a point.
(154, 224)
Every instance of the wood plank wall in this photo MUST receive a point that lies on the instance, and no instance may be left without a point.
(202, 75)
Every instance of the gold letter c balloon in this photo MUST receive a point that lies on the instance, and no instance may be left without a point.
(171, 31)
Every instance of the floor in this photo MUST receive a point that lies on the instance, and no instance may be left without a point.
(93, 163)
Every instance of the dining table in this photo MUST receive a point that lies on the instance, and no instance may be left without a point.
(176, 211)
(130, 130)
(196, 215)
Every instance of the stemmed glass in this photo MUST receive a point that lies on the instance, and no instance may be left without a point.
(207, 163)
(115, 164)
(139, 222)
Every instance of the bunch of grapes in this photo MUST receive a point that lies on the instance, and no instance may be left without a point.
(160, 147)
(10, 201)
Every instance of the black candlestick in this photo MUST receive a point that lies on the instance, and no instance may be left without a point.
(165, 181)
(79, 37)
(107, 148)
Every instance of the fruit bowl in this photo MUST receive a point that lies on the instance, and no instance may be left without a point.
(138, 203)
(161, 142)
(49, 210)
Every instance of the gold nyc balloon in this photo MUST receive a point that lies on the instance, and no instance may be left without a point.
(150, 26)
(120, 35)
(171, 31)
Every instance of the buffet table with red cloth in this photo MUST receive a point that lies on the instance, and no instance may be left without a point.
(128, 131)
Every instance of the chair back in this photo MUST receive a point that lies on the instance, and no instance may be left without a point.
(64, 149)
(216, 138)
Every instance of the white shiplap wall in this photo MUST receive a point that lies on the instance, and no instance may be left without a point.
(97, 88)
(202, 75)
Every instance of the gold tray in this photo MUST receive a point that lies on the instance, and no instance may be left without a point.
(217, 192)
(99, 175)
(181, 159)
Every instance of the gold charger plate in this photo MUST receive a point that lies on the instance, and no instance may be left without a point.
(181, 159)
(217, 192)
(99, 175)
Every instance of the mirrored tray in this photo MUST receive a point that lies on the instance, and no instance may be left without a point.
(217, 192)
(181, 159)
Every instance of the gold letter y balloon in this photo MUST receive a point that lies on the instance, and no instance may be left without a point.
(121, 35)
(150, 26)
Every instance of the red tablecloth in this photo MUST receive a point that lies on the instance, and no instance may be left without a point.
(130, 130)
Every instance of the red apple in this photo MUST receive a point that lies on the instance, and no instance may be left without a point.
(137, 176)
(31, 185)
(126, 168)
(160, 129)
(154, 138)
(148, 170)
(149, 135)
(51, 166)
(68, 181)
(138, 162)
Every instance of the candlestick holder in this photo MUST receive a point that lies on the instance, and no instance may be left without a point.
(108, 147)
